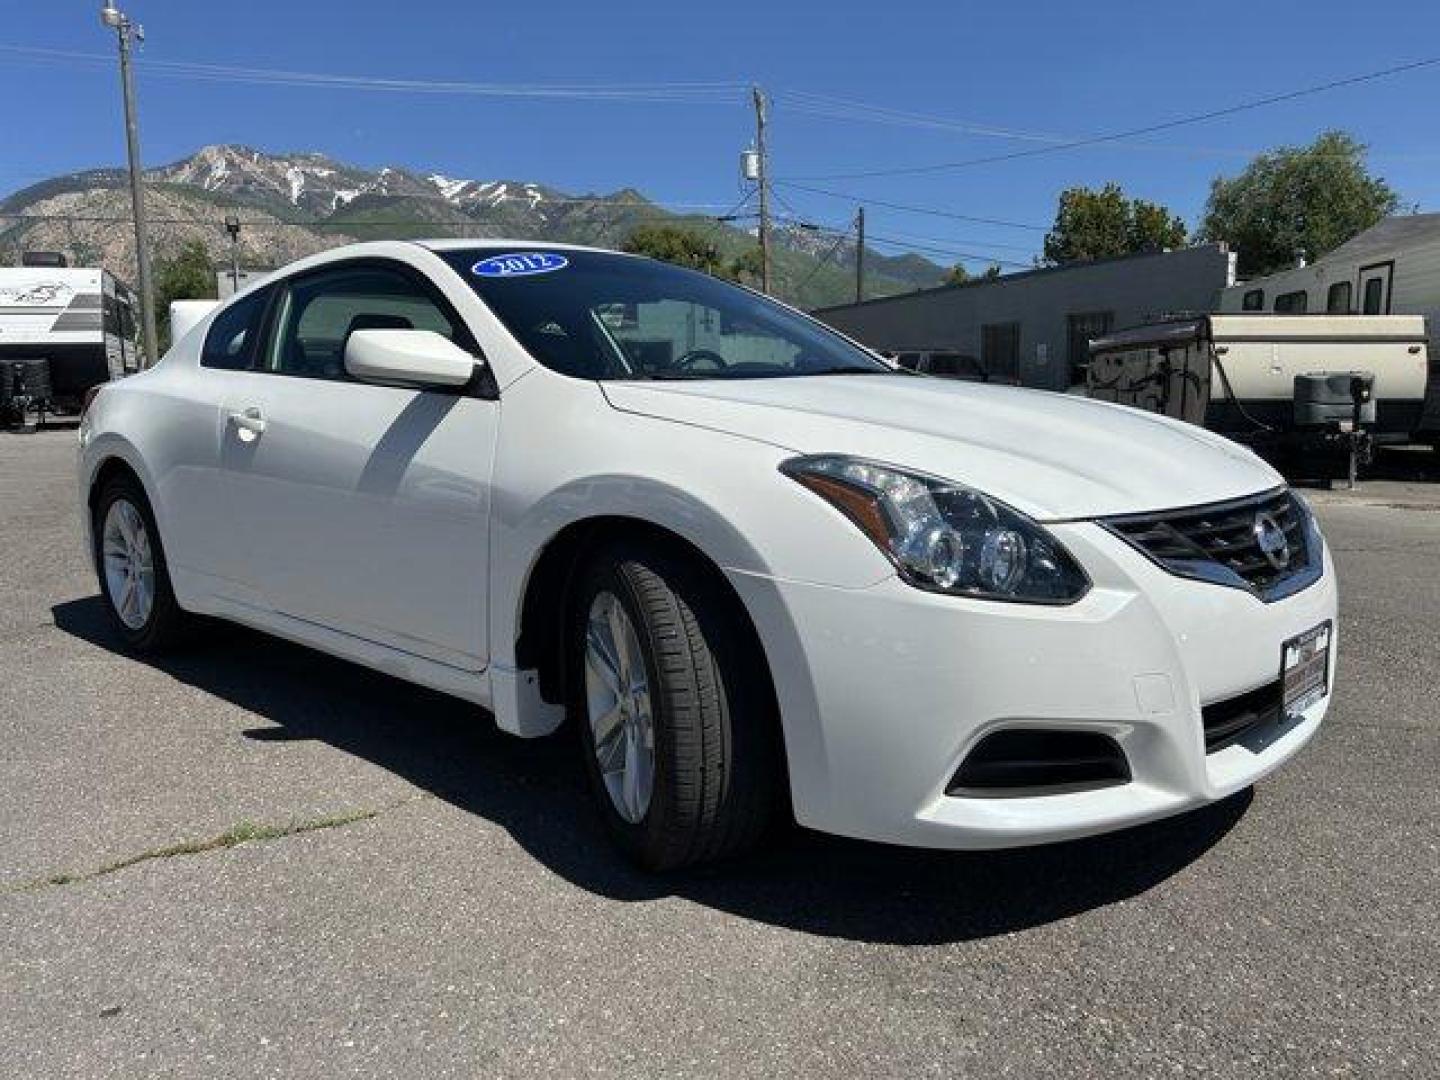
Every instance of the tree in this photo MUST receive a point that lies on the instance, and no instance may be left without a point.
(686, 247)
(957, 275)
(188, 275)
(1294, 201)
(745, 267)
(1101, 224)
(673, 244)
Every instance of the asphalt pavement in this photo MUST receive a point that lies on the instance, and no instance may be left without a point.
(252, 860)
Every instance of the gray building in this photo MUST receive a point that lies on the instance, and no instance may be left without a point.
(1034, 327)
(225, 285)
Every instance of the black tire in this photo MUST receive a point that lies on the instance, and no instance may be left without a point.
(166, 624)
(718, 776)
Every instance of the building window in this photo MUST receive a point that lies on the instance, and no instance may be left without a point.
(1082, 329)
(1337, 300)
(1292, 303)
(1374, 296)
(1254, 300)
(1000, 350)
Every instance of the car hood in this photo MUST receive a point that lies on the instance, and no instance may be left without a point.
(1051, 456)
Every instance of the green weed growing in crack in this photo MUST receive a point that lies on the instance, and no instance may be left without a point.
(244, 833)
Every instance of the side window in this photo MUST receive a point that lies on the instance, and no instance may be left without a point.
(1292, 303)
(1254, 300)
(231, 342)
(1337, 299)
(318, 313)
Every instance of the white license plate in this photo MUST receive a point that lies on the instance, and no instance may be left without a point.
(1305, 669)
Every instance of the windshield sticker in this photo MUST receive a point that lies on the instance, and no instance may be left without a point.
(520, 264)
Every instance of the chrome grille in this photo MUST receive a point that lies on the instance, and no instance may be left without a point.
(1225, 543)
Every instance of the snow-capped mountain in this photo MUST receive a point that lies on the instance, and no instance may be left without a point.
(322, 186)
(473, 194)
(310, 182)
(292, 203)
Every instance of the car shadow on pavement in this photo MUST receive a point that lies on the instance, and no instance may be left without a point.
(535, 790)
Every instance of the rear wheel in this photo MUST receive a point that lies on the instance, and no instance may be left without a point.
(676, 716)
(134, 579)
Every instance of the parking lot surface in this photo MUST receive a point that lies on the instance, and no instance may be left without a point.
(252, 860)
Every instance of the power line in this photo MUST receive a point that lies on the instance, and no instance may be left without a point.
(909, 209)
(934, 245)
(685, 93)
(1149, 129)
(955, 253)
(271, 223)
(801, 222)
(840, 109)
(1028, 249)
(153, 176)
(820, 265)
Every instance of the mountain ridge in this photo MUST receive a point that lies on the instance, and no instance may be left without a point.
(292, 204)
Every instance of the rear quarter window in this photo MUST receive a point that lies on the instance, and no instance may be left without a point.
(231, 341)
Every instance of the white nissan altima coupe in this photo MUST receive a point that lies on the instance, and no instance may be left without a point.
(762, 571)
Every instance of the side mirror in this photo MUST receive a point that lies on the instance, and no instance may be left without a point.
(407, 358)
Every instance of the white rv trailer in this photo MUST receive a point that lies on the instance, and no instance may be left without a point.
(1236, 374)
(80, 320)
(1391, 268)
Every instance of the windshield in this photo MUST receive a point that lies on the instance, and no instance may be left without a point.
(596, 315)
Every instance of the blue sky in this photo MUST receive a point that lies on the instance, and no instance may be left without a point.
(1034, 71)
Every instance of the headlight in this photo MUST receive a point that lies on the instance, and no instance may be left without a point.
(943, 536)
(1315, 540)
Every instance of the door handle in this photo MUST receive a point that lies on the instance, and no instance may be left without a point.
(249, 425)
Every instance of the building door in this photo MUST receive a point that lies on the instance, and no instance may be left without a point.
(1082, 329)
(1000, 351)
(1375, 282)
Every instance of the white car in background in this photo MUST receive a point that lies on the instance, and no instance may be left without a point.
(760, 569)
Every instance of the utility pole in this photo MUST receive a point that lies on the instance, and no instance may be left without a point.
(232, 226)
(764, 162)
(128, 33)
(860, 255)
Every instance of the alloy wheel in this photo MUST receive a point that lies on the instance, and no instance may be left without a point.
(618, 704)
(129, 563)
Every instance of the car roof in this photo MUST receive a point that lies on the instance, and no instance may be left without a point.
(488, 244)
(397, 248)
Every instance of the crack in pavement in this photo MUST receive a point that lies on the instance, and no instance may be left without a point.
(243, 833)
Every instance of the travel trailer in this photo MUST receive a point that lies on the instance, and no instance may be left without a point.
(67, 329)
(1391, 268)
(1255, 378)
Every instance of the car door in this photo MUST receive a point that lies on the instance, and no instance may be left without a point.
(203, 540)
(358, 507)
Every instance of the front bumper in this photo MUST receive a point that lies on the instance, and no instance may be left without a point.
(885, 690)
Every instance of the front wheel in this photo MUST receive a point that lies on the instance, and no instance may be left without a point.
(676, 715)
